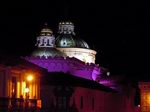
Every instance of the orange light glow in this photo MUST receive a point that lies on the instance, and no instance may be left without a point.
(148, 99)
(26, 90)
(30, 78)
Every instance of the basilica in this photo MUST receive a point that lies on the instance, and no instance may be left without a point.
(61, 75)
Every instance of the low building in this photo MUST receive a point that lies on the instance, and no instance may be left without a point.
(19, 82)
(62, 92)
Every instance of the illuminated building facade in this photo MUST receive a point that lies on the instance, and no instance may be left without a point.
(145, 96)
(19, 81)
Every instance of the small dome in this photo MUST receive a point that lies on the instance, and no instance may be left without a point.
(67, 40)
(47, 52)
(66, 37)
(46, 31)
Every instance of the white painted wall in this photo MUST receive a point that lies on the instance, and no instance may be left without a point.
(85, 55)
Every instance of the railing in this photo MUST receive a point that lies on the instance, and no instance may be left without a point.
(18, 105)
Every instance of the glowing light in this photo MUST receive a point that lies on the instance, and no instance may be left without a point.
(26, 90)
(39, 103)
(18, 89)
(30, 78)
(148, 99)
(108, 73)
(23, 88)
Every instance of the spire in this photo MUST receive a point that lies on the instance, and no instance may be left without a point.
(46, 38)
(66, 28)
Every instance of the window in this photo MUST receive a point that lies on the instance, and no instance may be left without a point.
(62, 102)
(81, 103)
(93, 103)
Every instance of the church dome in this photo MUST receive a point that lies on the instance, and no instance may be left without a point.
(70, 41)
(67, 38)
(47, 52)
(46, 45)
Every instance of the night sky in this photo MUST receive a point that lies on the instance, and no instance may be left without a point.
(117, 30)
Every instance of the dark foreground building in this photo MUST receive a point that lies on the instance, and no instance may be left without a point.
(63, 92)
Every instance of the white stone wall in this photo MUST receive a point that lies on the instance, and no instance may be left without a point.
(85, 55)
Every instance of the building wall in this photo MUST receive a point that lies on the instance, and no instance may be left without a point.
(67, 65)
(85, 55)
(5, 82)
(2, 89)
(88, 100)
(145, 96)
(13, 83)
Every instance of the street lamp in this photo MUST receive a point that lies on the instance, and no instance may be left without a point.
(29, 78)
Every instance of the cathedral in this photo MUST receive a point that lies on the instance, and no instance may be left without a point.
(61, 75)
(65, 53)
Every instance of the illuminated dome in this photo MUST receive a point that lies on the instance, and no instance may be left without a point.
(66, 37)
(46, 31)
(46, 45)
(47, 52)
